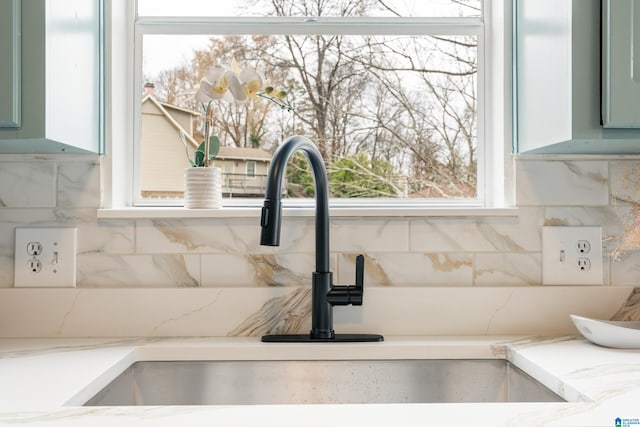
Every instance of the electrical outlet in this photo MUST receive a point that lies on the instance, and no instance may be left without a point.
(584, 247)
(35, 265)
(34, 248)
(583, 264)
(45, 257)
(572, 255)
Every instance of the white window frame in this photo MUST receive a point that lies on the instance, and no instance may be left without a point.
(495, 180)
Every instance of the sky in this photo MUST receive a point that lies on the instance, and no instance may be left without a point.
(164, 52)
(161, 53)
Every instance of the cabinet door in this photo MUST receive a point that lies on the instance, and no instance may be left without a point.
(621, 64)
(61, 55)
(73, 79)
(10, 63)
(558, 79)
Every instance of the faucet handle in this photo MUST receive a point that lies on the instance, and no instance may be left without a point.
(360, 272)
(351, 294)
(358, 290)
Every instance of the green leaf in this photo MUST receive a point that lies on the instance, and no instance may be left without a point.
(214, 146)
(198, 157)
(214, 149)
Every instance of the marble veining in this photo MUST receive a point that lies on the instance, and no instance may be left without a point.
(630, 310)
(497, 311)
(270, 270)
(195, 312)
(374, 270)
(158, 270)
(286, 314)
(508, 269)
(562, 183)
(28, 184)
(178, 233)
(79, 184)
(45, 346)
(452, 251)
(410, 269)
(500, 241)
(625, 181)
(175, 267)
(216, 311)
(507, 348)
(613, 379)
(67, 314)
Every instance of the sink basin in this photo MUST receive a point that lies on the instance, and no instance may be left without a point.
(311, 382)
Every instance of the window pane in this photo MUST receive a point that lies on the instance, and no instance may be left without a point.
(393, 116)
(251, 169)
(371, 8)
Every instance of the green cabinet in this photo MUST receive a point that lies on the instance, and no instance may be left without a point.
(10, 65)
(61, 75)
(621, 63)
(557, 81)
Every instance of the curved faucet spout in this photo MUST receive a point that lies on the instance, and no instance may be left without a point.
(271, 219)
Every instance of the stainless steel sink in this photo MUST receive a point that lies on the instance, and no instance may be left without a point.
(305, 382)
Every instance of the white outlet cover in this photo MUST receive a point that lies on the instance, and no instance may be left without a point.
(560, 255)
(58, 257)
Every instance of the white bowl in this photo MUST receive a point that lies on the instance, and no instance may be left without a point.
(609, 333)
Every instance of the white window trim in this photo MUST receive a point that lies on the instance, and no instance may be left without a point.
(495, 180)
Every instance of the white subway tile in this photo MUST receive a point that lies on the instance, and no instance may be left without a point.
(490, 234)
(219, 236)
(27, 184)
(410, 269)
(79, 184)
(625, 180)
(131, 271)
(508, 269)
(561, 183)
(257, 269)
(367, 235)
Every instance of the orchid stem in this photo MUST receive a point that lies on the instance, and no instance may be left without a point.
(207, 132)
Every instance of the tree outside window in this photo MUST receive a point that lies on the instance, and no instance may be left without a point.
(394, 115)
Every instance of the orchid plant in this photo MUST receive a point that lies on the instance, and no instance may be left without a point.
(232, 84)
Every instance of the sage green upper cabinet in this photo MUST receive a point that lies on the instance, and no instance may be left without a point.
(557, 81)
(10, 64)
(621, 63)
(61, 78)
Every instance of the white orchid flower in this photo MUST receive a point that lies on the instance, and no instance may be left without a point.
(252, 82)
(235, 84)
(214, 86)
(205, 92)
(236, 88)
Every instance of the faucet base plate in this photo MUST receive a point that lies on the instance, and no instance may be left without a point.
(337, 338)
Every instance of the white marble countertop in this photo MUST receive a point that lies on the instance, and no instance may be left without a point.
(43, 382)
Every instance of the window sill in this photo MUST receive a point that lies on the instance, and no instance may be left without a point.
(335, 212)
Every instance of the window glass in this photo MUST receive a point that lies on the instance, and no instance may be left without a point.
(251, 169)
(394, 116)
(370, 8)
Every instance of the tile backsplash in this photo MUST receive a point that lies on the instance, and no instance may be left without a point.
(214, 252)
